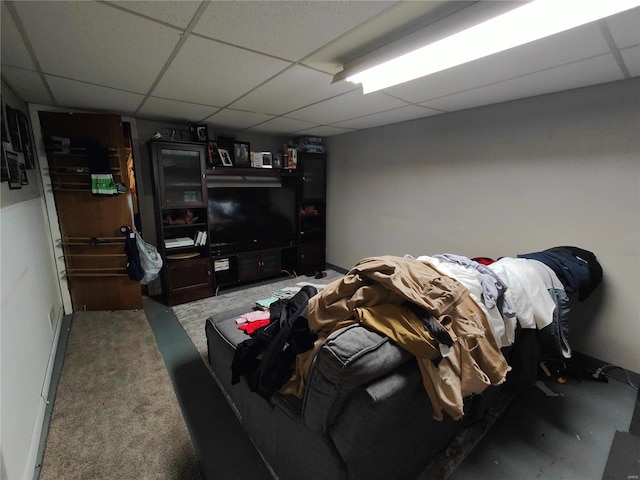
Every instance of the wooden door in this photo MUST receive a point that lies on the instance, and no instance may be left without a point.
(90, 224)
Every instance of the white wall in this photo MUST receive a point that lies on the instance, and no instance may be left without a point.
(517, 177)
(29, 294)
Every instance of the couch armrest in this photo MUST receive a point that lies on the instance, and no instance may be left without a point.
(349, 358)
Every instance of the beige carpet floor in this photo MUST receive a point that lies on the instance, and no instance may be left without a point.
(116, 415)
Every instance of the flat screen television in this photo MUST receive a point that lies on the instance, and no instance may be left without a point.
(252, 216)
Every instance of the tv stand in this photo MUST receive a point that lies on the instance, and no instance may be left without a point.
(238, 265)
(185, 190)
(253, 265)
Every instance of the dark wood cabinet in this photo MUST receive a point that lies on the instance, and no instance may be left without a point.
(312, 251)
(188, 280)
(311, 257)
(182, 220)
(257, 265)
(190, 198)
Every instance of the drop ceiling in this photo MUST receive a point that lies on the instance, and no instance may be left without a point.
(266, 67)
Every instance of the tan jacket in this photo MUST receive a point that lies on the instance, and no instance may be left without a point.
(372, 293)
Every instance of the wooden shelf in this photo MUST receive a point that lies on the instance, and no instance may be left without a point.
(251, 172)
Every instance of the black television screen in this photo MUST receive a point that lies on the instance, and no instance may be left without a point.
(261, 216)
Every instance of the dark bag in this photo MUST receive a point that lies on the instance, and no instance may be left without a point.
(286, 336)
(134, 266)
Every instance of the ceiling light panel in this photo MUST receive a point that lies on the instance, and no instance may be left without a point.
(532, 21)
(567, 47)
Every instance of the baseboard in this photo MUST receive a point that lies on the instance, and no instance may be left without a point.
(612, 371)
(47, 397)
(337, 268)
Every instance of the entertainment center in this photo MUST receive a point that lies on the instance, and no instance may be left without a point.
(223, 226)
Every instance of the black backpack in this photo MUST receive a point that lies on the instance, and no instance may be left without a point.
(278, 343)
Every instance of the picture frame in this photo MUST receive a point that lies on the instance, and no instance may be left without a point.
(241, 154)
(213, 155)
(5, 135)
(14, 131)
(199, 132)
(4, 170)
(24, 179)
(13, 169)
(26, 140)
(225, 157)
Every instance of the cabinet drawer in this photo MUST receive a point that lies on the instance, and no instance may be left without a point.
(187, 274)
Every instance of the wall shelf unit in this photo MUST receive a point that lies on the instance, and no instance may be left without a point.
(180, 197)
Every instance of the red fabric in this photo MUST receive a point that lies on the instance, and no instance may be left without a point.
(253, 326)
(483, 260)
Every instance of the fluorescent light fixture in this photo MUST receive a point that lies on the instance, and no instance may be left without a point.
(532, 21)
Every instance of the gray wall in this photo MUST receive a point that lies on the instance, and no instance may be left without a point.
(30, 317)
(517, 177)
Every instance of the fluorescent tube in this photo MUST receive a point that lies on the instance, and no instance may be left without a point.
(532, 21)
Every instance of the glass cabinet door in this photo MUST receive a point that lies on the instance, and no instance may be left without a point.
(182, 181)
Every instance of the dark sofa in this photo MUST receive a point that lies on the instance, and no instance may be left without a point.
(365, 413)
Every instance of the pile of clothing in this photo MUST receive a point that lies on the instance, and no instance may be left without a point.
(454, 314)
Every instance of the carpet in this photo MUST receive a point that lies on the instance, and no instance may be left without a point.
(193, 316)
(116, 414)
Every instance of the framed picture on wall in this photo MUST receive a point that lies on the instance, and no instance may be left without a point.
(199, 132)
(13, 169)
(24, 180)
(4, 168)
(225, 157)
(14, 131)
(213, 155)
(5, 135)
(241, 154)
(25, 139)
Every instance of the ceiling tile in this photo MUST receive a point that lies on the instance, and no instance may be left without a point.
(586, 72)
(73, 94)
(631, 58)
(577, 44)
(96, 43)
(178, 13)
(213, 73)
(286, 30)
(236, 120)
(14, 52)
(402, 114)
(167, 110)
(625, 28)
(283, 94)
(344, 107)
(323, 131)
(281, 126)
(27, 84)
